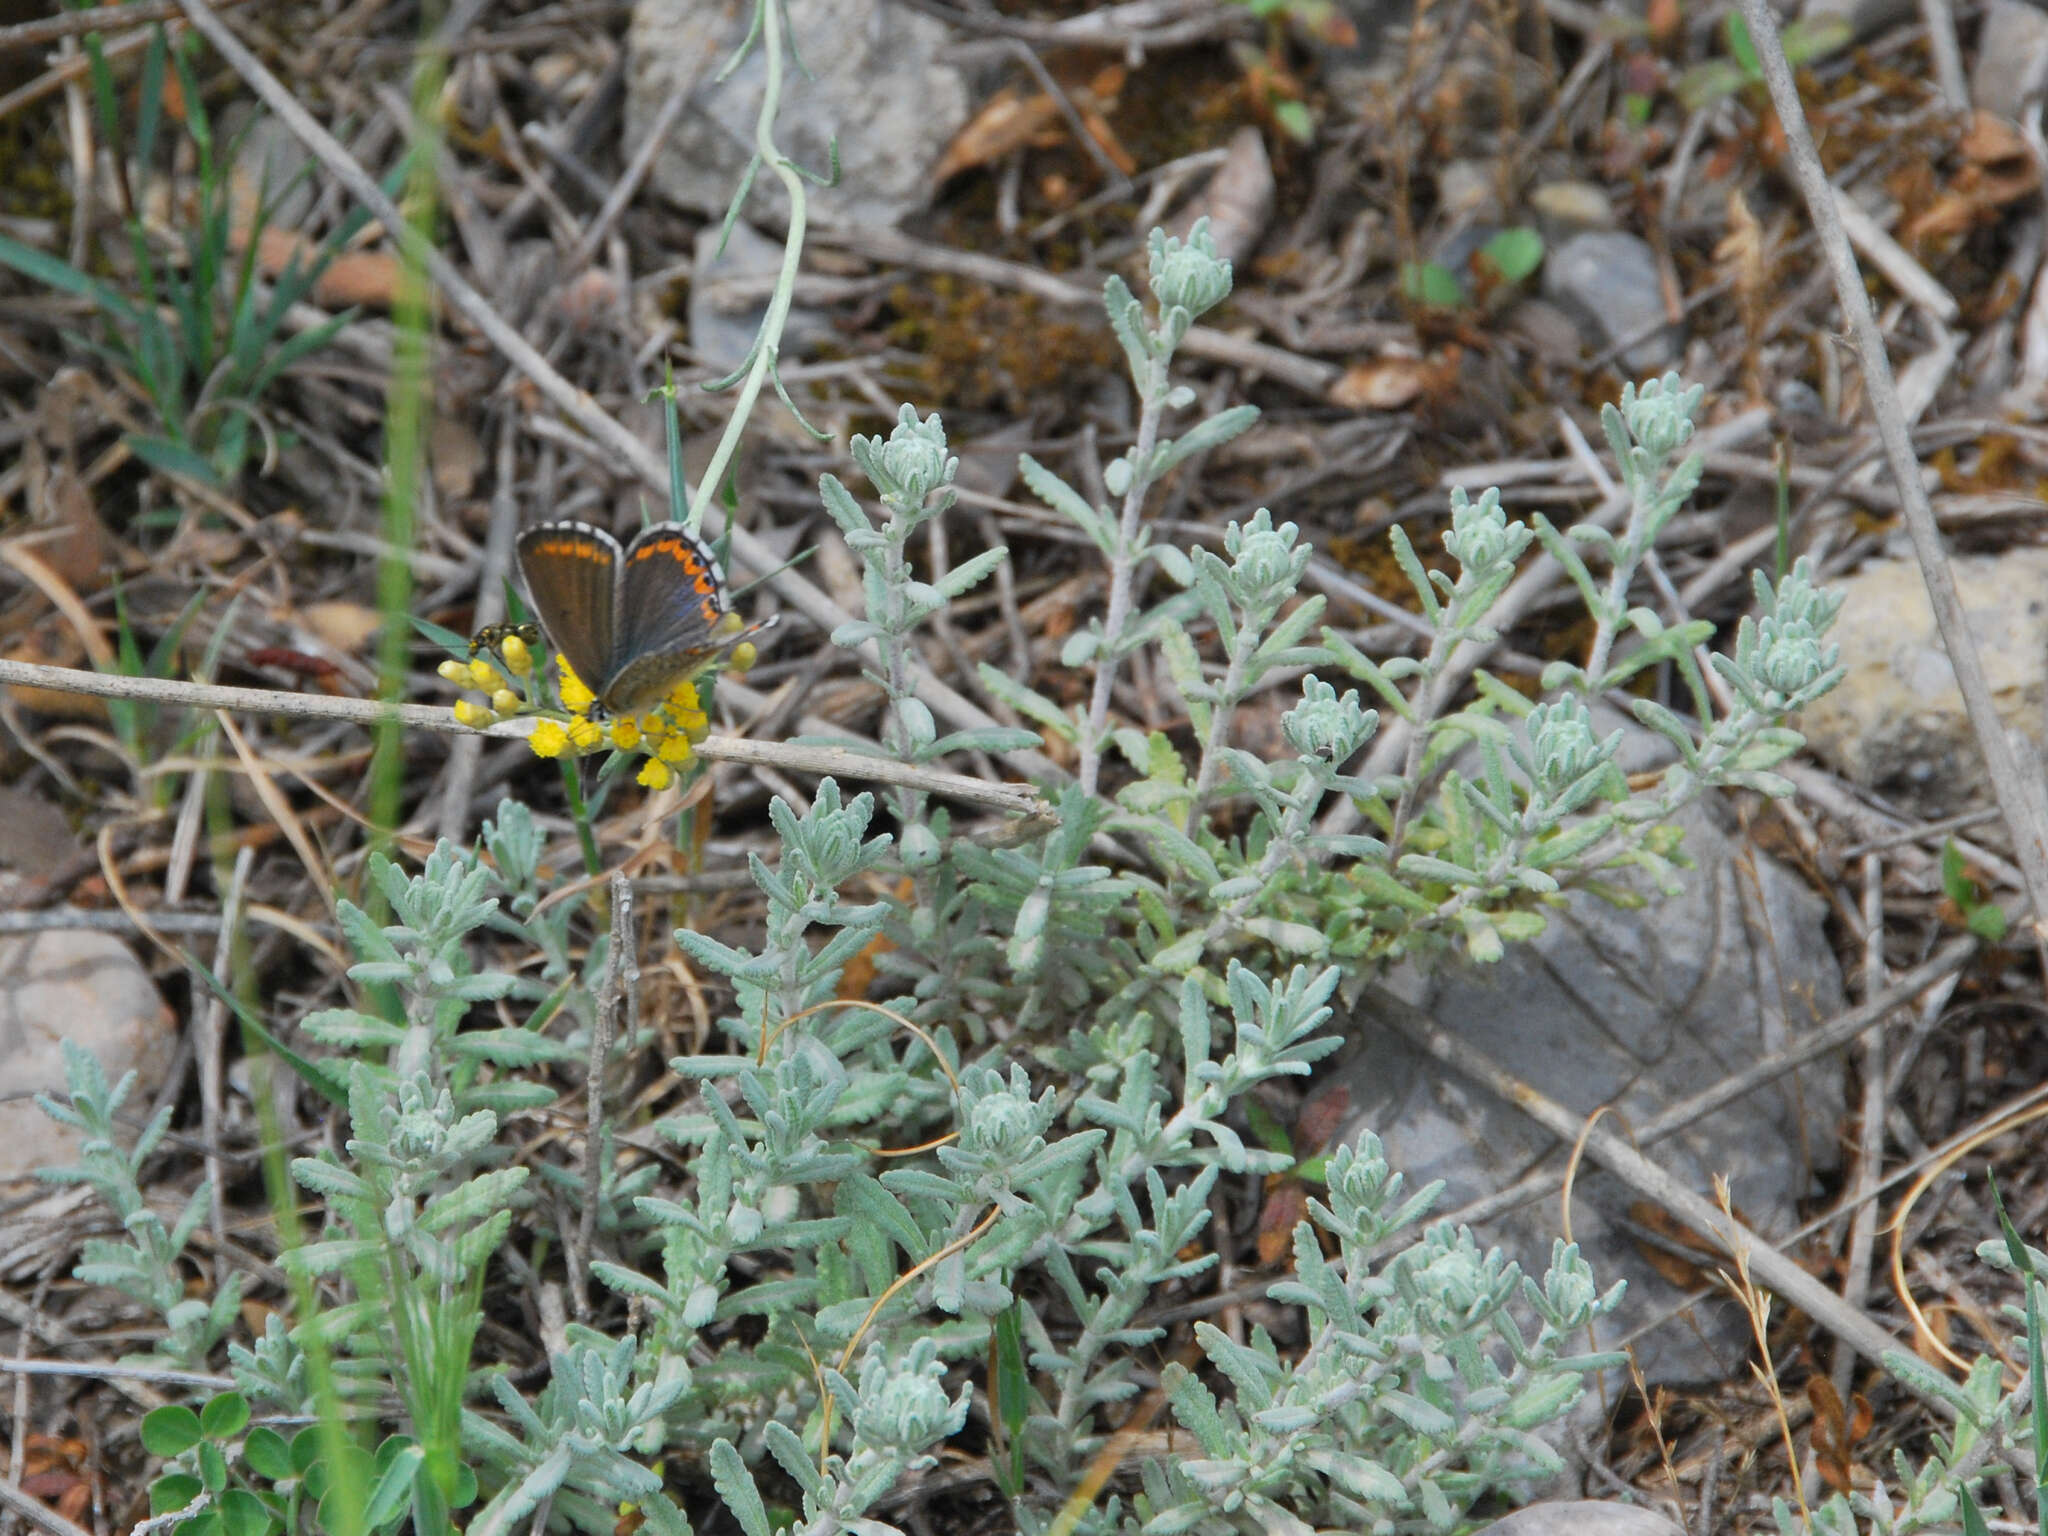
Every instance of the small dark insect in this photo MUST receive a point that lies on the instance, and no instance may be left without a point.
(492, 636)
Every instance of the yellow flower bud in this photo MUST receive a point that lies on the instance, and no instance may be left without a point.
(548, 739)
(744, 655)
(655, 774)
(505, 702)
(626, 733)
(472, 714)
(586, 733)
(517, 656)
(576, 695)
(456, 672)
(682, 696)
(485, 677)
(674, 751)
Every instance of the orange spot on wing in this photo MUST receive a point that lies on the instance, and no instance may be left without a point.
(578, 548)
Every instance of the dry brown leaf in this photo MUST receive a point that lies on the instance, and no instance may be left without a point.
(1740, 254)
(457, 456)
(1998, 168)
(1321, 1116)
(1384, 384)
(1663, 19)
(1008, 121)
(72, 540)
(1012, 120)
(344, 625)
(1669, 1257)
(1286, 1208)
(1742, 259)
(368, 279)
(1238, 200)
(1106, 140)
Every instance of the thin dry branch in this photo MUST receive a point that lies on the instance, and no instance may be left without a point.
(101, 18)
(37, 1513)
(1773, 1269)
(1019, 799)
(2019, 791)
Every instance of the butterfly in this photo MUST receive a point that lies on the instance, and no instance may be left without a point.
(633, 620)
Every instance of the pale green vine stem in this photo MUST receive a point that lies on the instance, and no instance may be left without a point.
(767, 344)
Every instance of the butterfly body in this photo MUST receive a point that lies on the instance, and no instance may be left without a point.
(633, 620)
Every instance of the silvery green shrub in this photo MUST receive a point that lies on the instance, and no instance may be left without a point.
(952, 1203)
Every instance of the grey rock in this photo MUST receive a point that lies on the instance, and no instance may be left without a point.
(1610, 279)
(2012, 59)
(876, 84)
(1896, 725)
(1632, 1009)
(1583, 1517)
(728, 298)
(78, 986)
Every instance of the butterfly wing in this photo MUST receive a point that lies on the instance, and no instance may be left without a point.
(571, 572)
(671, 598)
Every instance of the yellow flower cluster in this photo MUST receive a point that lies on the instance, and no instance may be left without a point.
(666, 735)
(486, 678)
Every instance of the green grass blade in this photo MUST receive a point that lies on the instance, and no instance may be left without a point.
(54, 272)
(150, 108)
(172, 457)
(316, 1075)
(161, 653)
(299, 347)
(103, 96)
(196, 121)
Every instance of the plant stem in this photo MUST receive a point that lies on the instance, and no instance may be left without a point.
(620, 966)
(1429, 705)
(767, 344)
(572, 786)
(1221, 714)
(1122, 576)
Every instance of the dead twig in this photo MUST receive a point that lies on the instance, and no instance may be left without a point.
(1022, 799)
(1773, 1269)
(1870, 1136)
(101, 18)
(2018, 788)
